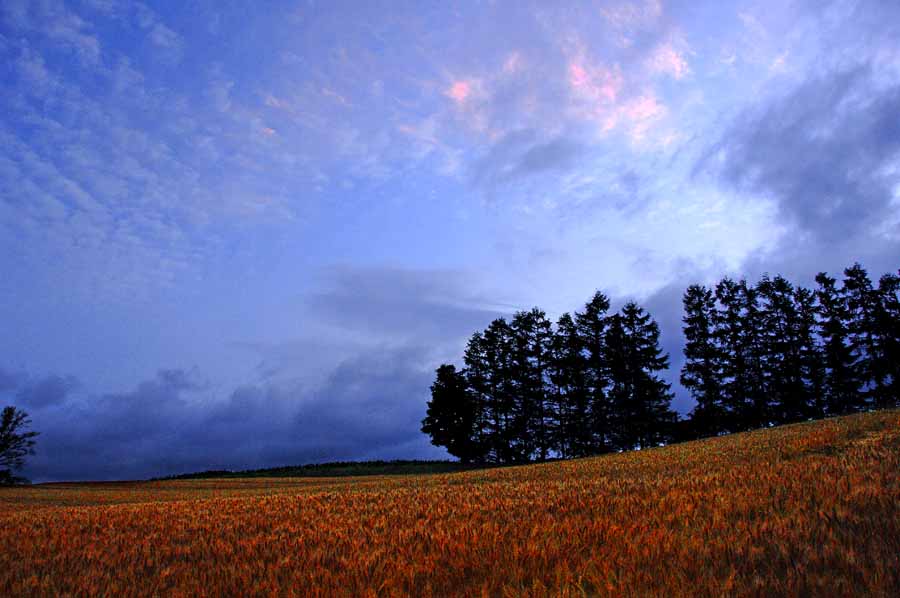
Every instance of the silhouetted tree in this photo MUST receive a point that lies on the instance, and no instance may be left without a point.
(731, 338)
(568, 376)
(533, 420)
(701, 372)
(782, 351)
(841, 387)
(755, 355)
(640, 399)
(453, 416)
(889, 328)
(866, 341)
(812, 362)
(16, 442)
(488, 364)
(752, 326)
(591, 325)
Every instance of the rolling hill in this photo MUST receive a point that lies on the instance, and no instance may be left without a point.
(806, 509)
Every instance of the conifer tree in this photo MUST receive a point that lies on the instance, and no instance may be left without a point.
(591, 325)
(752, 329)
(889, 328)
(452, 419)
(640, 398)
(487, 358)
(498, 343)
(812, 361)
(573, 438)
(701, 372)
(866, 342)
(730, 338)
(534, 420)
(841, 388)
(780, 332)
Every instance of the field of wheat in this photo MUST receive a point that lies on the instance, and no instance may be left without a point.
(810, 509)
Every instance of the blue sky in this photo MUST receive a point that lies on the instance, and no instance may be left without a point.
(236, 235)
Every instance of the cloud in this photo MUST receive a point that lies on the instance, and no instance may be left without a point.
(44, 392)
(523, 153)
(669, 60)
(10, 380)
(368, 407)
(827, 152)
(353, 387)
(54, 21)
(459, 91)
(399, 304)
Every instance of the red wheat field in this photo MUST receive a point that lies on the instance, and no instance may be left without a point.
(809, 509)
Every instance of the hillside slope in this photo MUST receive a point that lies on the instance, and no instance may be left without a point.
(809, 509)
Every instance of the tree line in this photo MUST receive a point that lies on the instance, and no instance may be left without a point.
(755, 355)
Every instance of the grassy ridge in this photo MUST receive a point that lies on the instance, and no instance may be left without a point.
(810, 509)
(332, 469)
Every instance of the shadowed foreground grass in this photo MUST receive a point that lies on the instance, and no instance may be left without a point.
(809, 509)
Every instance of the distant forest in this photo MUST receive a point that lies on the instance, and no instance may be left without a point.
(755, 356)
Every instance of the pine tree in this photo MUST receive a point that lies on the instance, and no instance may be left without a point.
(487, 358)
(841, 388)
(591, 325)
(812, 360)
(701, 372)
(532, 337)
(498, 342)
(730, 338)
(568, 377)
(865, 341)
(782, 351)
(889, 328)
(752, 329)
(452, 419)
(640, 398)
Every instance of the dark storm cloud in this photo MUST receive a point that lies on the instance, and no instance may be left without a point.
(826, 153)
(10, 380)
(44, 392)
(823, 152)
(368, 404)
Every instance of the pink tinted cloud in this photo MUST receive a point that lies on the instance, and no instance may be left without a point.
(668, 60)
(513, 63)
(595, 91)
(459, 91)
(641, 114)
(595, 83)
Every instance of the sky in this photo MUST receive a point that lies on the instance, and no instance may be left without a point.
(241, 234)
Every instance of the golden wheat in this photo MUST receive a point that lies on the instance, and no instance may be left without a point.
(809, 509)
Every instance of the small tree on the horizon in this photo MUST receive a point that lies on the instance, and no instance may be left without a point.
(15, 444)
